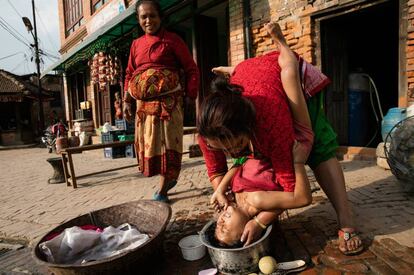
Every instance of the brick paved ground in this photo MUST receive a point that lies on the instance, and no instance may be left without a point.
(30, 207)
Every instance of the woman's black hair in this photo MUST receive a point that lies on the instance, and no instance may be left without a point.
(225, 113)
(155, 3)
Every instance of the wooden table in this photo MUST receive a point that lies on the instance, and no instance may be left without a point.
(66, 154)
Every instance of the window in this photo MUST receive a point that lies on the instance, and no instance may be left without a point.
(73, 15)
(96, 4)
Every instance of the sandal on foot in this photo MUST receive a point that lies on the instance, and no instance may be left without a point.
(161, 198)
(344, 237)
(171, 185)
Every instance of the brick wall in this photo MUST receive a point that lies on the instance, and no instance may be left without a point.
(236, 32)
(294, 16)
(410, 51)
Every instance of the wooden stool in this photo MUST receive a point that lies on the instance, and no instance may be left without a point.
(58, 175)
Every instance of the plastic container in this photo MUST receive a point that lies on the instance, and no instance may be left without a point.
(192, 248)
(130, 151)
(126, 137)
(393, 116)
(114, 152)
(111, 136)
(358, 110)
(122, 124)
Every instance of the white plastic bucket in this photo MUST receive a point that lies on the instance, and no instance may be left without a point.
(192, 248)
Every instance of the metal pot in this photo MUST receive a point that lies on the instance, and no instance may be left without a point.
(242, 260)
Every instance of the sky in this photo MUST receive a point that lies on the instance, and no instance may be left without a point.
(47, 20)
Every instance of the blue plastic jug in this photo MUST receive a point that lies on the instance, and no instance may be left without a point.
(393, 116)
(358, 110)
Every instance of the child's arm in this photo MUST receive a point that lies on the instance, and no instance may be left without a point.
(219, 199)
(254, 228)
(222, 70)
(301, 196)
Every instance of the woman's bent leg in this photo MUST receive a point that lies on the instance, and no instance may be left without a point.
(331, 178)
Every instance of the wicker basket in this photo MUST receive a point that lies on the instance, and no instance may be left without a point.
(148, 217)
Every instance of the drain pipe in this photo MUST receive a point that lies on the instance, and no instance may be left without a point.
(247, 34)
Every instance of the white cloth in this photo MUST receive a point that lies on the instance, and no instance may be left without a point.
(76, 246)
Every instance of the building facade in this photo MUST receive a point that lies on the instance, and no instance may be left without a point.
(19, 106)
(341, 37)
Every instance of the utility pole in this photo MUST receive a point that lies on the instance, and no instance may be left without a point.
(39, 85)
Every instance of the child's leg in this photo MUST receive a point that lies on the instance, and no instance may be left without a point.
(289, 65)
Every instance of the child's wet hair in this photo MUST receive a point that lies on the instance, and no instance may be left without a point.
(225, 113)
(214, 241)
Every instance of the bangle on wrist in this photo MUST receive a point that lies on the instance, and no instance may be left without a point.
(259, 223)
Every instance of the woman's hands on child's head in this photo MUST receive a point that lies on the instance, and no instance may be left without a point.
(221, 199)
(300, 153)
(251, 233)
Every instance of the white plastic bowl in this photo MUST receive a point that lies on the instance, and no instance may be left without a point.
(192, 248)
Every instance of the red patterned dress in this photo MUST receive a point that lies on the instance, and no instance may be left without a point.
(274, 132)
(156, 63)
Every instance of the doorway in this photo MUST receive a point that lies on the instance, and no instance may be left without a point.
(362, 41)
(204, 28)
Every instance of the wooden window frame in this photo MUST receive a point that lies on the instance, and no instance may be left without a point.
(94, 2)
(71, 9)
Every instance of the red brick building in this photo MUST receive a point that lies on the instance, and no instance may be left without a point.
(374, 37)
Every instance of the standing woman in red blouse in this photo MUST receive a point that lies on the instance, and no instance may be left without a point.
(153, 80)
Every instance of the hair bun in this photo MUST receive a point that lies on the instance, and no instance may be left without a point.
(221, 85)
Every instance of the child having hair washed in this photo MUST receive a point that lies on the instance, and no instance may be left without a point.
(252, 178)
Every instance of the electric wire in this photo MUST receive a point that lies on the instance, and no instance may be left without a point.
(18, 65)
(5, 57)
(5, 27)
(14, 8)
(45, 29)
(12, 33)
(18, 36)
(46, 52)
(50, 59)
(13, 29)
